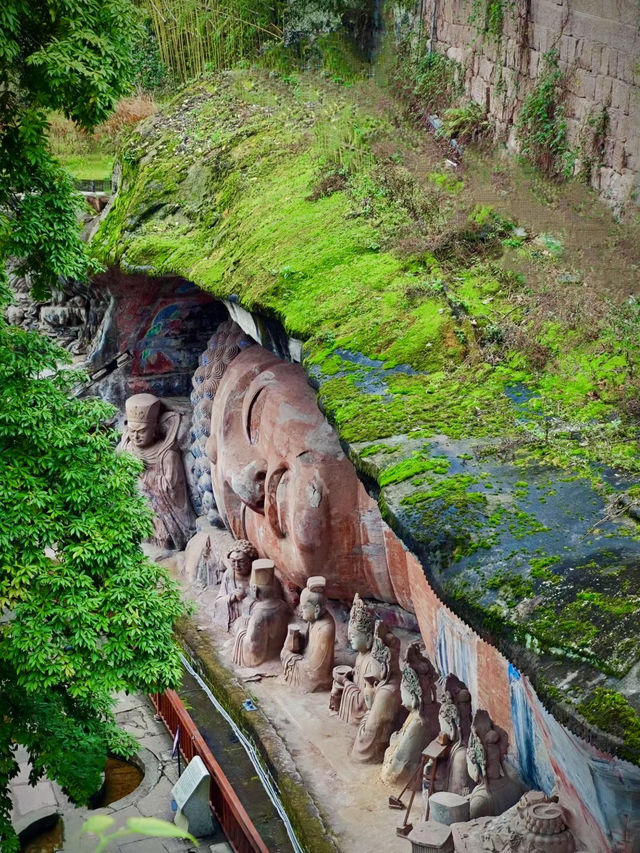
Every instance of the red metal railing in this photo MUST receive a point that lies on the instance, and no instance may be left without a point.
(235, 822)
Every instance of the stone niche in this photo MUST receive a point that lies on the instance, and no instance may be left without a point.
(151, 335)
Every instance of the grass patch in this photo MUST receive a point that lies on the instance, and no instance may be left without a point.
(89, 167)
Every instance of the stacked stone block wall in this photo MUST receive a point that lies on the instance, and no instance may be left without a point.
(598, 42)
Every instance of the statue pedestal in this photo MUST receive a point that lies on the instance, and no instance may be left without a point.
(431, 837)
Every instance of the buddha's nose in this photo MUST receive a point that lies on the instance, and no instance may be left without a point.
(248, 484)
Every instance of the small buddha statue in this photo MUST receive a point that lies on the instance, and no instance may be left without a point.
(202, 560)
(403, 757)
(381, 696)
(308, 659)
(263, 628)
(151, 435)
(234, 587)
(347, 692)
(495, 791)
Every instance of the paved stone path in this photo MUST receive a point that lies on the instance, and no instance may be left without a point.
(152, 798)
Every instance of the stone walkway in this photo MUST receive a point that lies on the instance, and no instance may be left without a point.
(152, 798)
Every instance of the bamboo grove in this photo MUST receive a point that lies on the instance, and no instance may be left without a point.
(198, 35)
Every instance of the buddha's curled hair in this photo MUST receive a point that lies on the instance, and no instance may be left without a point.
(222, 347)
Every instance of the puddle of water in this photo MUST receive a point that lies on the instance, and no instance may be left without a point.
(48, 840)
(120, 779)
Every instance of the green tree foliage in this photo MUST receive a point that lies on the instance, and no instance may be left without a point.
(56, 55)
(82, 612)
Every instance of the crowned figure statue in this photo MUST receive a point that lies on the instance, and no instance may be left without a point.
(347, 692)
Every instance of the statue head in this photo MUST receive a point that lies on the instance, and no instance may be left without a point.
(143, 412)
(241, 556)
(262, 580)
(361, 624)
(448, 717)
(313, 599)
(410, 690)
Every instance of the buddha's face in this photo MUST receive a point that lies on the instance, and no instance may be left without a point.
(142, 433)
(240, 563)
(359, 640)
(281, 480)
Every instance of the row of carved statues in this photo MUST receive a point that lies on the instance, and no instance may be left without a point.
(397, 708)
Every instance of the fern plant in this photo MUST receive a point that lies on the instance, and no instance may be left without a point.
(541, 128)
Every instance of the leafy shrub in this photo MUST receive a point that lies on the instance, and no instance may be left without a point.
(488, 16)
(467, 123)
(541, 127)
(429, 82)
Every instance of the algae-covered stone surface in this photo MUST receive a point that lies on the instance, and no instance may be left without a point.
(478, 356)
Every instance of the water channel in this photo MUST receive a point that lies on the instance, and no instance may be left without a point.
(241, 763)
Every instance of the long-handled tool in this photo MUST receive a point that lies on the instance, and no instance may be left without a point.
(396, 802)
(406, 827)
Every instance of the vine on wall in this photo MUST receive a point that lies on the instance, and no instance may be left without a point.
(489, 17)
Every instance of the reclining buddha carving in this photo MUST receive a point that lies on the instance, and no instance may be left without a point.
(278, 473)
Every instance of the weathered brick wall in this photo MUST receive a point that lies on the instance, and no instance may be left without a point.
(599, 49)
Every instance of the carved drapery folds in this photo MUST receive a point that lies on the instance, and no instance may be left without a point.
(151, 434)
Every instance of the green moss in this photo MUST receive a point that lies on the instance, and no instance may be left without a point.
(417, 463)
(372, 449)
(510, 586)
(611, 712)
(540, 569)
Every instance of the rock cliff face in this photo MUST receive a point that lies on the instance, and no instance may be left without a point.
(475, 375)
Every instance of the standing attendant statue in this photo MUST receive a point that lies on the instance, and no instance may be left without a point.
(308, 659)
(496, 790)
(403, 758)
(347, 692)
(151, 435)
(235, 583)
(263, 630)
(381, 696)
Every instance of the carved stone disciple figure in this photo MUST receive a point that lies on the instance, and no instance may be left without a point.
(496, 791)
(234, 587)
(347, 693)
(455, 722)
(403, 757)
(151, 435)
(308, 660)
(262, 634)
(381, 696)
